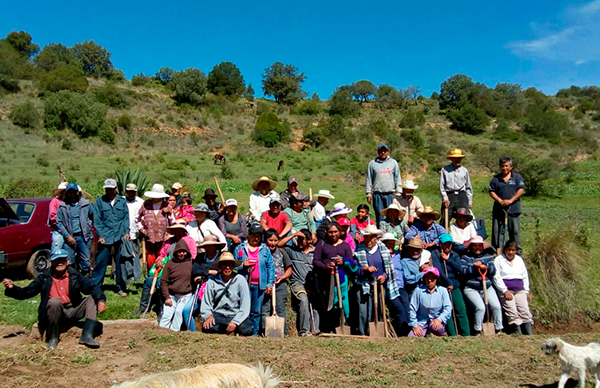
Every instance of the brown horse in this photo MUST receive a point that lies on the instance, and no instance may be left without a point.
(280, 165)
(220, 159)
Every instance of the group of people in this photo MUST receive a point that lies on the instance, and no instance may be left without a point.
(232, 269)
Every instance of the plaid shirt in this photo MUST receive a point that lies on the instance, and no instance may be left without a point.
(361, 257)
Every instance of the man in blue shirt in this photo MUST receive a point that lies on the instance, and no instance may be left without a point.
(74, 223)
(506, 189)
(111, 219)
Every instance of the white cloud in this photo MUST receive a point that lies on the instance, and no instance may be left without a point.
(588, 9)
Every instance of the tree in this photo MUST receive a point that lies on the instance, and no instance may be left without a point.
(362, 90)
(249, 93)
(95, 59)
(454, 91)
(342, 104)
(21, 41)
(54, 55)
(12, 63)
(411, 93)
(469, 119)
(547, 124)
(164, 75)
(283, 82)
(269, 131)
(189, 86)
(140, 80)
(225, 79)
(24, 115)
(64, 77)
(388, 97)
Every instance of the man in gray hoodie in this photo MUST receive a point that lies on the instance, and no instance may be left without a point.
(383, 180)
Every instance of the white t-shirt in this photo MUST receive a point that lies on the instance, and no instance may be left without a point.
(134, 208)
(319, 212)
(459, 236)
(206, 228)
(260, 203)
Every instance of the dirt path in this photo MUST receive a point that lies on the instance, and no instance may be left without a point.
(131, 350)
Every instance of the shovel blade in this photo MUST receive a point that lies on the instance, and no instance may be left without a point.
(274, 326)
(342, 330)
(376, 329)
(489, 329)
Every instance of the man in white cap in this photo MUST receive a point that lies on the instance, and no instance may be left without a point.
(319, 211)
(408, 201)
(134, 203)
(176, 191)
(57, 238)
(383, 180)
(111, 220)
(292, 189)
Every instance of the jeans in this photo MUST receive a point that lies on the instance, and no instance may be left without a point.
(102, 258)
(57, 241)
(256, 298)
(187, 310)
(475, 298)
(243, 329)
(499, 235)
(172, 316)
(280, 303)
(79, 254)
(460, 311)
(301, 304)
(380, 202)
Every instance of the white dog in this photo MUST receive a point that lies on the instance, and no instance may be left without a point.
(209, 376)
(575, 360)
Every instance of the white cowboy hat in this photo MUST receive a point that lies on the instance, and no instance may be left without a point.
(339, 208)
(325, 194)
(410, 185)
(272, 183)
(371, 230)
(393, 206)
(157, 191)
(390, 236)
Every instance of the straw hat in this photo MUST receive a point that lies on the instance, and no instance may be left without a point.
(371, 230)
(477, 240)
(393, 206)
(429, 210)
(456, 153)
(325, 194)
(179, 224)
(227, 257)
(415, 242)
(410, 185)
(61, 187)
(272, 184)
(157, 191)
(212, 240)
(339, 208)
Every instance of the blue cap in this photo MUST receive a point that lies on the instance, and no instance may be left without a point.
(383, 145)
(72, 186)
(59, 254)
(445, 237)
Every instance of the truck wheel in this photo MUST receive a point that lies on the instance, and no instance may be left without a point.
(38, 263)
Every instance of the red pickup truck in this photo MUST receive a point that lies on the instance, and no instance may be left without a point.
(25, 236)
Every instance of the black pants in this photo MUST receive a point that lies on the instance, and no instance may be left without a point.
(456, 201)
(244, 329)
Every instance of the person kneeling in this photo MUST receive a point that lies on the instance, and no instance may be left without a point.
(430, 306)
(61, 287)
(225, 305)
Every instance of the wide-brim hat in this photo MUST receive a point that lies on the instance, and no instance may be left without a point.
(272, 184)
(209, 193)
(416, 242)
(179, 224)
(325, 194)
(463, 212)
(371, 230)
(339, 208)
(390, 237)
(211, 240)
(156, 192)
(429, 210)
(393, 206)
(456, 153)
(227, 257)
(408, 184)
(477, 240)
(61, 187)
(201, 208)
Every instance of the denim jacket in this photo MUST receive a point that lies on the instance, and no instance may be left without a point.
(63, 219)
(265, 260)
(111, 222)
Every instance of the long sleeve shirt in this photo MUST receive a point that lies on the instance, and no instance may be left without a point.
(455, 180)
(111, 219)
(412, 273)
(207, 227)
(259, 203)
(412, 207)
(425, 306)
(510, 276)
(427, 235)
(398, 273)
(383, 176)
(234, 305)
(459, 236)
(134, 209)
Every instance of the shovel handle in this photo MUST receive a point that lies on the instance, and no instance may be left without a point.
(483, 273)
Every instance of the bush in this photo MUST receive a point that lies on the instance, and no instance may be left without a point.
(308, 108)
(412, 118)
(67, 145)
(115, 75)
(28, 188)
(314, 137)
(140, 80)
(269, 131)
(124, 121)
(79, 112)
(42, 161)
(24, 115)
(9, 85)
(112, 96)
(342, 104)
(469, 119)
(189, 86)
(536, 174)
(547, 124)
(227, 172)
(378, 127)
(414, 138)
(64, 77)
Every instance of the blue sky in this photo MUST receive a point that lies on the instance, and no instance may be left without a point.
(547, 44)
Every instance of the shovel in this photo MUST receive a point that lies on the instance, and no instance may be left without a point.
(342, 329)
(274, 325)
(194, 301)
(376, 328)
(446, 220)
(389, 328)
(152, 288)
(488, 327)
(504, 232)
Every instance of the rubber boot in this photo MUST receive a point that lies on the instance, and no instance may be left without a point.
(144, 300)
(526, 328)
(52, 336)
(87, 334)
(516, 329)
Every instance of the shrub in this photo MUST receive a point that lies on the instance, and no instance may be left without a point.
(547, 124)
(67, 145)
(128, 175)
(342, 104)
(314, 137)
(112, 96)
(262, 107)
(116, 76)
(269, 131)
(80, 112)
(164, 75)
(28, 188)
(469, 119)
(412, 118)
(189, 86)
(378, 127)
(308, 108)
(536, 174)
(9, 85)
(140, 80)
(227, 172)
(42, 161)
(124, 121)
(24, 115)
(414, 138)
(64, 77)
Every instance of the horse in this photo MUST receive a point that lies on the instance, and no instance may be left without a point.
(280, 165)
(220, 159)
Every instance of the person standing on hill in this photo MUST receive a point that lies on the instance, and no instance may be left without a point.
(111, 220)
(383, 181)
(506, 189)
(292, 190)
(455, 185)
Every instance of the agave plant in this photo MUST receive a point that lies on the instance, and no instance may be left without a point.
(137, 177)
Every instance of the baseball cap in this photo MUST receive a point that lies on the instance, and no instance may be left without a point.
(292, 179)
(255, 228)
(344, 221)
(72, 186)
(382, 146)
(431, 270)
(445, 237)
(110, 183)
(131, 187)
(231, 202)
(176, 186)
(275, 200)
(59, 254)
